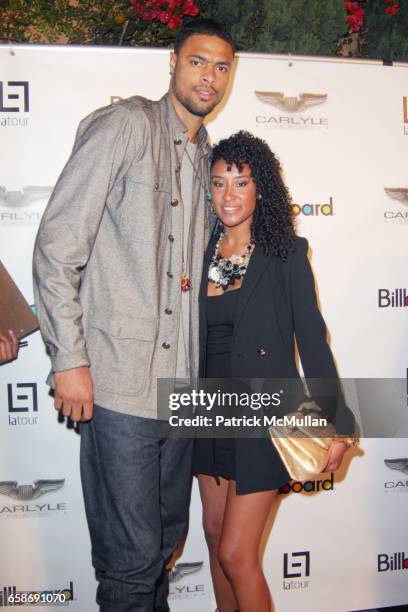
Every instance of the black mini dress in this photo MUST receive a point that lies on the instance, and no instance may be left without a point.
(217, 456)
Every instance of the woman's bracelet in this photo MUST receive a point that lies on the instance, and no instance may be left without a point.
(348, 440)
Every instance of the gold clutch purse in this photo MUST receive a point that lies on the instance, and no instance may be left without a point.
(303, 441)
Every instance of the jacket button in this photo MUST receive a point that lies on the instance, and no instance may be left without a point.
(165, 345)
(177, 141)
(178, 168)
(156, 186)
(168, 311)
(174, 202)
(169, 274)
(171, 237)
(262, 352)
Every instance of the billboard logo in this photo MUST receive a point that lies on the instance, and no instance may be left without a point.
(314, 210)
(392, 563)
(22, 399)
(14, 98)
(309, 486)
(23, 207)
(11, 488)
(296, 565)
(397, 298)
(291, 106)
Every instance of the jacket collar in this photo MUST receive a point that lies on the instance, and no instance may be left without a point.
(178, 128)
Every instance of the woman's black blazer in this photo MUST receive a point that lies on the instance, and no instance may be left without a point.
(277, 303)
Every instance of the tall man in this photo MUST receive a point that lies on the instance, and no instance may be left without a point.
(117, 265)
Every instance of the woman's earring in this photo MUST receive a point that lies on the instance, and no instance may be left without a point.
(259, 196)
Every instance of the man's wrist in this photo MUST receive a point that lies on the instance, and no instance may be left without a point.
(69, 361)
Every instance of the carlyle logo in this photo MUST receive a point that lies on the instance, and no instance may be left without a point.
(314, 210)
(405, 114)
(23, 207)
(180, 570)
(10, 596)
(309, 486)
(396, 298)
(400, 194)
(22, 401)
(291, 106)
(296, 565)
(401, 465)
(398, 485)
(392, 563)
(26, 493)
(180, 590)
(14, 98)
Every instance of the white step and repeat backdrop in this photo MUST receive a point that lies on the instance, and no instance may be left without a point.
(337, 545)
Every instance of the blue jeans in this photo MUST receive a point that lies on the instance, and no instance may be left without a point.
(136, 485)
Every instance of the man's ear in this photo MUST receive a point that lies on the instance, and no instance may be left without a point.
(173, 61)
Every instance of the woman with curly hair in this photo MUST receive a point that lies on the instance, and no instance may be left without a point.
(256, 295)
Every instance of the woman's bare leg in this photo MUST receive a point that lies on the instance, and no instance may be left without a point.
(244, 521)
(214, 498)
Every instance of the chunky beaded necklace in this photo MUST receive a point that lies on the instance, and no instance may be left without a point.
(224, 272)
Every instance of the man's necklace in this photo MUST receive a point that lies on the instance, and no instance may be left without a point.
(224, 272)
(198, 175)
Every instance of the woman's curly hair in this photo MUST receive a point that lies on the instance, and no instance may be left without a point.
(273, 222)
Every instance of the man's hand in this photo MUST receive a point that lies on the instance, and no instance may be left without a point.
(8, 345)
(336, 453)
(74, 393)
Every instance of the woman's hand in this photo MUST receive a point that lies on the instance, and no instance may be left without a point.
(336, 453)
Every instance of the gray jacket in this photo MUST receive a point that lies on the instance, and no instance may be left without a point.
(108, 254)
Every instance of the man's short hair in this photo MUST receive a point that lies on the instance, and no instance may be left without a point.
(206, 26)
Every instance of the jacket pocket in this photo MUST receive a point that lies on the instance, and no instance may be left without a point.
(144, 212)
(120, 350)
